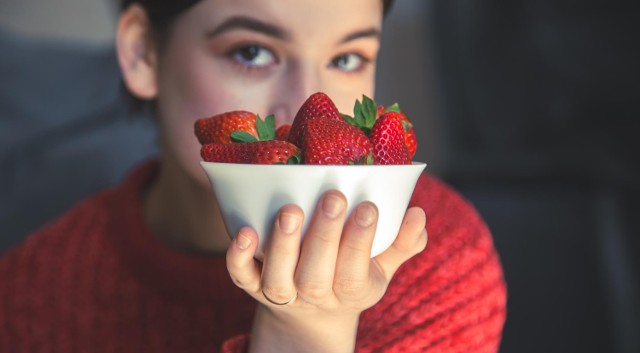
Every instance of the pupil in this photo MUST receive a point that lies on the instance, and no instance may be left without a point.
(249, 53)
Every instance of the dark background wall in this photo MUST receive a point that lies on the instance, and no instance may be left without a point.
(540, 107)
(529, 108)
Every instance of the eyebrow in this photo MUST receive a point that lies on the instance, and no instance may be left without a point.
(366, 33)
(249, 23)
(252, 24)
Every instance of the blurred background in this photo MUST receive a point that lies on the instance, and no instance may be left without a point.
(529, 108)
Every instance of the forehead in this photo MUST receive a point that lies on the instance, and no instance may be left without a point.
(299, 19)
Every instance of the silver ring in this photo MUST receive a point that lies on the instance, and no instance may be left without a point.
(276, 303)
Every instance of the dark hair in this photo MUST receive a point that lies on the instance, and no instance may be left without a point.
(161, 16)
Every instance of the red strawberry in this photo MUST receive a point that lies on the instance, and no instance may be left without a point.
(333, 141)
(318, 105)
(387, 137)
(282, 132)
(218, 128)
(258, 152)
(409, 133)
(266, 131)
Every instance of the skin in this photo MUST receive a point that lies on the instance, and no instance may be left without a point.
(267, 57)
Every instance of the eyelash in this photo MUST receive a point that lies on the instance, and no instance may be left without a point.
(364, 61)
(237, 50)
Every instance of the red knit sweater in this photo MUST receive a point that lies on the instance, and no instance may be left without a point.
(97, 280)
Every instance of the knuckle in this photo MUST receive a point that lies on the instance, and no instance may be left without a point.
(350, 287)
(237, 281)
(277, 293)
(402, 250)
(281, 247)
(325, 238)
(313, 290)
(235, 275)
(361, 248)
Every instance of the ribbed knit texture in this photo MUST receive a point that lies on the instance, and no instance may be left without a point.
(97, 280)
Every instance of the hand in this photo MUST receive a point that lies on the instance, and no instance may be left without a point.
(323, 285)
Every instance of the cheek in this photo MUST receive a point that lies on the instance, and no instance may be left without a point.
(189, 89)
(194, 85)
(346, 91)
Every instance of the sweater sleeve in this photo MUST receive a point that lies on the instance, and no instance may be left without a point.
(236, 344)
(449, 298)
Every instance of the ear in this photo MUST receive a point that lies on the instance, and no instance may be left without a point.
(136, 52)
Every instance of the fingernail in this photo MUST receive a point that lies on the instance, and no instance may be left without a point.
(288, 223)
(243, 241)
(332, 206)
(365, 215)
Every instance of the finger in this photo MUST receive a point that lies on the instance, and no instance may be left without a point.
(411, 240)
(314, 277)
(281, 255)
(243, 268)
(354, 257)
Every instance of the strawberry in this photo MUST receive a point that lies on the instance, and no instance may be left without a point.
(387, 137)
(409, 133)
(257, 152)
(318, 105)
(218, 128)
(366, 113)
(333, 141)
(282, 132)
(266, 130)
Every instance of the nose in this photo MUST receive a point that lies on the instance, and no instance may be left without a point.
(294, 86)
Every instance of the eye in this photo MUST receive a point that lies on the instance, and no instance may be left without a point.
(350, 62)
(253, 56)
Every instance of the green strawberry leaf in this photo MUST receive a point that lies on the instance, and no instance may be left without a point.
(406, 126)
(393, 108)
(362, 160)
(369, 159)
(349, 120)
(266, 128)
(358, 113)
(270, 120)
(242, 137)
(365, 113)
(295, 159)
(370, 110)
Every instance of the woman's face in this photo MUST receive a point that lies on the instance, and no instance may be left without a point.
(262, 56)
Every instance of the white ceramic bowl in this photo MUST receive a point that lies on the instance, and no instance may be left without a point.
(251, 194)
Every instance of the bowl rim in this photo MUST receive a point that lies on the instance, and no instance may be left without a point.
(316, 166)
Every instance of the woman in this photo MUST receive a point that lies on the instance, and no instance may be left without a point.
(142, 267)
